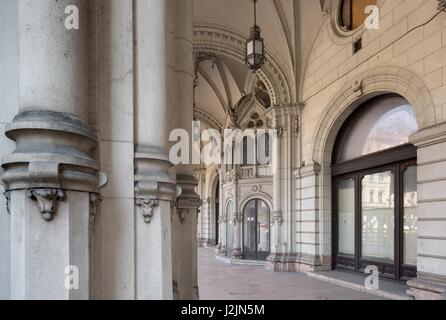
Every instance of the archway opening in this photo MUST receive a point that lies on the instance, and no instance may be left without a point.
(374, 172)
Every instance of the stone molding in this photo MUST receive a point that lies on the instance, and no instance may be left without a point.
(53, 151)
(429, 136)
(426, 286)
(378, 81)
(152, 178)
(47, 201)
(188, 202)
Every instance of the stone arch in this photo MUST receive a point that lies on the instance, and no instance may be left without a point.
(216, 37)
(261, 196)
(371, 84)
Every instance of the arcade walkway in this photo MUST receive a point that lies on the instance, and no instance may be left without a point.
(221, 281)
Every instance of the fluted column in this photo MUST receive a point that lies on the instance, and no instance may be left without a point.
(155, 190)
(188, 202)
(51, 176)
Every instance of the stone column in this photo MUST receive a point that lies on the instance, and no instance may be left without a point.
(155, 189)
(431, 265)
(223, 217)
(273, 260)
(188, 201)
(51, 175)
(237, 221)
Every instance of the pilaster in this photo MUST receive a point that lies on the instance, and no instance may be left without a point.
(431, 261)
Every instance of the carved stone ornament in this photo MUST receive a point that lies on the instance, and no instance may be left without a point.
(357, 87)
(47, 200)
(277, 218)
(95, 204)
(147, 208)
(238, 218)
(280, 131)
(223, 219)
(183, 213)
(442, 5)
(8, 202)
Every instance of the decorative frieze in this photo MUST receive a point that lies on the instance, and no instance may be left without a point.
(47, 200)
(147, 207)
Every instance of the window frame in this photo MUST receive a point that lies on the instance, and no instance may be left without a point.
(397, 160)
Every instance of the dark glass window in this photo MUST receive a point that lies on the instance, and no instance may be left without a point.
(375, 190)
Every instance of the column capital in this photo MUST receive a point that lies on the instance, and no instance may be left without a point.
(53, 151)
(152, 178)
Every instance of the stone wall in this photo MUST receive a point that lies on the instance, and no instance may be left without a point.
(406, 55)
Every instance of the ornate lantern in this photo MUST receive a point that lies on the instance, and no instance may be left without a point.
(255, 47)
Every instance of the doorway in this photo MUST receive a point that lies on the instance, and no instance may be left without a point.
(256, 230)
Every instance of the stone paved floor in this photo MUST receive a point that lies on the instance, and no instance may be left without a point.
(221, 281)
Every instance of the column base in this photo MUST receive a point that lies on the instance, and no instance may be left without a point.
(310, 263)
(427, 288)
(280, 262)
(221, 251)
(237, 254)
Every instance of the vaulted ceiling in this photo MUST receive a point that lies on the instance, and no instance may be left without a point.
(224, 80)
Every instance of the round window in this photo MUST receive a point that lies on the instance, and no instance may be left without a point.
(352, 13)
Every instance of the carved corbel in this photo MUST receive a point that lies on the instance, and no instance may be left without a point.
(357, 87)
(280, 131)
(296, 127)
(183, 213)
(95, 205)
(8, 201)
(47, 200)
(238, 218)
(147, 207)
(277, 217)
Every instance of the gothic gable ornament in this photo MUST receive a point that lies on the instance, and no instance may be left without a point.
(47, 201)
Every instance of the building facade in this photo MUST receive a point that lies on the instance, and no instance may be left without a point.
(353, 94)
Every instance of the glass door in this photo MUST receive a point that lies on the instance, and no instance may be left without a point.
(256, 230)
(375, 220)
(345, 221)
(378, 221)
